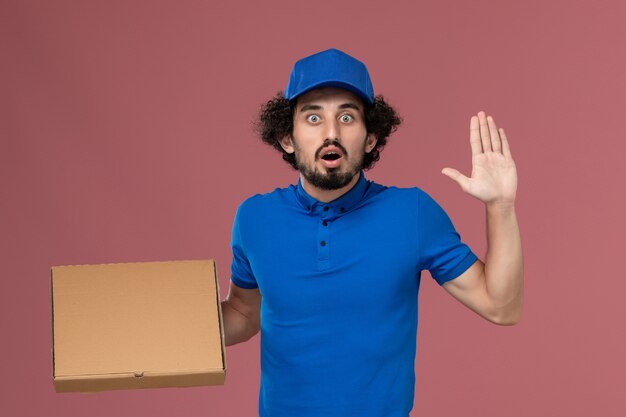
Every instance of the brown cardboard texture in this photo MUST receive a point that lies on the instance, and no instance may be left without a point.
(136, 325)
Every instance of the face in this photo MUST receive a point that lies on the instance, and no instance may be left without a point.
(329, 137)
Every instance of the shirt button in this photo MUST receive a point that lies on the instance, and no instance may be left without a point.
(342, 209)
(323, 243)
(325, 208)
(325, 223)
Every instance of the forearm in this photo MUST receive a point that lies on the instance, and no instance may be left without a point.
(504, 269)
(238, 327)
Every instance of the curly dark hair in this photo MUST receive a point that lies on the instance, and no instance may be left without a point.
(276, 122)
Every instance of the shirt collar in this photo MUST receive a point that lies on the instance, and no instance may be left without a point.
(342, 204)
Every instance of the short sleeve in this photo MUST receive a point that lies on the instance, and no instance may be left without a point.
(442, 252)
(240, 271)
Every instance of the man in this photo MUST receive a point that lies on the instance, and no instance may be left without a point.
(329, 270)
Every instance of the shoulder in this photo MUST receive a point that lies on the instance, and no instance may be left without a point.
(412, 195)
(416, 195)
(413, 201)
(266, 201)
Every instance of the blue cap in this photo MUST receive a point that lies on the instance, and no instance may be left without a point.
(330, 68)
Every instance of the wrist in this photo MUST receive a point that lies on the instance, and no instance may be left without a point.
(500, 206)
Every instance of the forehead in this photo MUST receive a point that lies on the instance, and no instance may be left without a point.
(328, 96)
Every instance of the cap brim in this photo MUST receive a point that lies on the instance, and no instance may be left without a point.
(337, 84)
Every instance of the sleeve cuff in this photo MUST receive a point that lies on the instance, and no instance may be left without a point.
(243, 284)
(457, 270)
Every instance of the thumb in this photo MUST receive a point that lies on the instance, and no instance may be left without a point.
(459, 178)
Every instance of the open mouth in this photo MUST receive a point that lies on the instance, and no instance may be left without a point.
(331, 156)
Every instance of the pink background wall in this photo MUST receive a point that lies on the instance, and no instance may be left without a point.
(125, 135)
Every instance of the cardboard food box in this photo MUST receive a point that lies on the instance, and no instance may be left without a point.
(136, 325)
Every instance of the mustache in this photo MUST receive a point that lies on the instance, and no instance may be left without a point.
(329, 142)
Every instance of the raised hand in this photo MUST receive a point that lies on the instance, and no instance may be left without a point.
(494, 176)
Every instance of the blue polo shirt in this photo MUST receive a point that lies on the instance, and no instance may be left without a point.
(339, 284)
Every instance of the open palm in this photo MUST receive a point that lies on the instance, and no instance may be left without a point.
(494, 176)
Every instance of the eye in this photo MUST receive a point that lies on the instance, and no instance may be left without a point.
(346, 118)
(314, 118)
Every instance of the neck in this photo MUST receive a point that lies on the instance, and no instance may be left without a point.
(326, 196)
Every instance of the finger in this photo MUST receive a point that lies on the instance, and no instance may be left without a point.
(459, 178)
(506, 149)
(477, 147)
(496, 145)
(484, 132)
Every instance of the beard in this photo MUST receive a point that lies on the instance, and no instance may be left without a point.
(332, 179)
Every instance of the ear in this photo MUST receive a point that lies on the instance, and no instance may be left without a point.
(286, 142)
(370, 142)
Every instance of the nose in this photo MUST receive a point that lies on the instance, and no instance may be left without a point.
(332, 129)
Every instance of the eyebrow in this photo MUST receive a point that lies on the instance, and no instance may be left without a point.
(310, 107)
(349, 106)
(318, 107)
